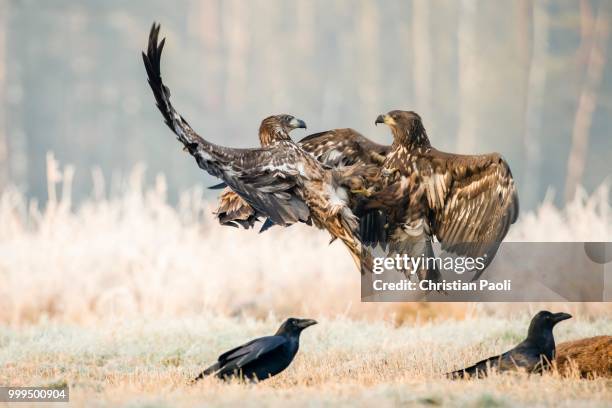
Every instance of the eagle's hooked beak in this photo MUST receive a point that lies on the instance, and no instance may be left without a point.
(386, 119)
(296, 123)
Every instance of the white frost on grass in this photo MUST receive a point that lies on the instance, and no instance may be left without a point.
(134, 255)
(341, 361)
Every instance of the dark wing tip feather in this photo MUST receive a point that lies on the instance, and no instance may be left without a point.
(152, 63)
(219, 186)
(266, 225)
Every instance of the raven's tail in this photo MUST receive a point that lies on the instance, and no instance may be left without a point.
(456, 375)
(478, 370)
(209, 371)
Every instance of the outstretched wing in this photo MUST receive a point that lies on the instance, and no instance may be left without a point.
(342, 147)
(473, 200)
(270, 186)
(333, 148)
(265, 178)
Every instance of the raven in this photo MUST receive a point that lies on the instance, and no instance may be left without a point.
(534, 354)
(261, 358)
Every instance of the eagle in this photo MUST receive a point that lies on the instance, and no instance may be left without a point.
(338, 148)
(281, 181)
(467, 202)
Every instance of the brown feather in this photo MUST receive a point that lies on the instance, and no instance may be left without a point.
(470, 199)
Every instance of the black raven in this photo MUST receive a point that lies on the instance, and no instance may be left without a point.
(263, 357)
(534, 354)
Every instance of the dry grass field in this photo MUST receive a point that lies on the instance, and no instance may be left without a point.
(150, 362)
(126, 297)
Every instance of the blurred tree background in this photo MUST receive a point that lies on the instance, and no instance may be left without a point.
(529, 79)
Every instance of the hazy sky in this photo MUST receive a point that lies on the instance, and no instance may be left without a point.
(486, 76)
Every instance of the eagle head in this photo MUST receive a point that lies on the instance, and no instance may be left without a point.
(406, 126)
(277, 127)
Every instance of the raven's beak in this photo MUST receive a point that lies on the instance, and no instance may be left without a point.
(304, 323)
(296, 123)
(559, 317)
(380, 119)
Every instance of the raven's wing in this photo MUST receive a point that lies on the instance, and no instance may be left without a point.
(237, 358)
(342, 147)
(520, 357)
(265, 178)
(473, 199)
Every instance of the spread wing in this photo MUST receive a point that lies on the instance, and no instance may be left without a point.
(473, 200)
(342, 147)
(264, 178)
(269, 187)
(333, 148)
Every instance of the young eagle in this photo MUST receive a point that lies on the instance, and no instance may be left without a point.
(467, 202)
(280, 181)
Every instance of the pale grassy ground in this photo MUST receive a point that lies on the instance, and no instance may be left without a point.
(126, 298)
(341, 361)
